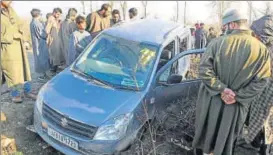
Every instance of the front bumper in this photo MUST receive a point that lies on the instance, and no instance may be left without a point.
(85, 146)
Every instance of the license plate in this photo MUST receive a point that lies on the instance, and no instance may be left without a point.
(63, 139)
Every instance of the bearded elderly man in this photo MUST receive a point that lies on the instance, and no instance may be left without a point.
(234, 70)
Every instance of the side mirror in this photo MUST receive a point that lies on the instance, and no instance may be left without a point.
(173, 79)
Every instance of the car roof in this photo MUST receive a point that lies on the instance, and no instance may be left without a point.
(153, 31)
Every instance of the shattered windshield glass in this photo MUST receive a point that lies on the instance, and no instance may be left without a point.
(118, 62)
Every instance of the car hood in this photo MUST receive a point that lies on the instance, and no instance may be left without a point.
(75, 97)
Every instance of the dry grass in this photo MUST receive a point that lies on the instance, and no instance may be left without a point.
(193, 73)
(172, 124)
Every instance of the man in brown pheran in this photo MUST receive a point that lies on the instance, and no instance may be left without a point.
(234, 69)
(99, 20)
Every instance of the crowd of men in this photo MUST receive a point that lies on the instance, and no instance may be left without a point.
(234, 114)
(56, 43)
(202, 37)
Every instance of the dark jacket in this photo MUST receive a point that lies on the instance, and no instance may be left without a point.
(210, 38)
(200, 38)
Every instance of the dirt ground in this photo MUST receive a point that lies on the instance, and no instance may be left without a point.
(19, 116)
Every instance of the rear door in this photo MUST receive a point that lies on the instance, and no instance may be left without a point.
(184, 41)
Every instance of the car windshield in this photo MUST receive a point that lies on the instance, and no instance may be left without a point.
(117, 62)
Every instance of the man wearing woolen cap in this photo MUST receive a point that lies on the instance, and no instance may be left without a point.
(234, 70)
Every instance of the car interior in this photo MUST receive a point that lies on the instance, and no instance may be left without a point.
(183, 44)
(166, 55)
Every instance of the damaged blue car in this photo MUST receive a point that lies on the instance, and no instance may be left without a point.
(100, 103)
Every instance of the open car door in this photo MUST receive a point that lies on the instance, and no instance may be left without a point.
(176, 89)
(179, 78)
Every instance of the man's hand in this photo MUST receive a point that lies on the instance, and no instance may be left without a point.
(228, 96)
(228, 99)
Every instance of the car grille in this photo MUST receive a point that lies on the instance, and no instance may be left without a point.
(72, 127)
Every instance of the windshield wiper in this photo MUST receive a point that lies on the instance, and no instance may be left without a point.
(78, 72)
(100, 81)
(91, 78)
(126, 87)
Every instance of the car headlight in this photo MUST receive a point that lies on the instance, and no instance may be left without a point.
(114, 129)
(40, 99)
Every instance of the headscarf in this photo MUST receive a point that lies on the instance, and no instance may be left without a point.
(261, 113)
(263, 27)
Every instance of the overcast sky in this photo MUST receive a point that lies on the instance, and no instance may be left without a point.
(196, 10)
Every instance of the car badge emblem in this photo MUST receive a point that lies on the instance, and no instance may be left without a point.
(64, 122)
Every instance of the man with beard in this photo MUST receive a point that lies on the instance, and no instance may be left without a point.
(259, 125)
(14, 61)
(68, 26)
(115, 17)
(234, 70)
(55, 53)
(99, 20)
(212, 35)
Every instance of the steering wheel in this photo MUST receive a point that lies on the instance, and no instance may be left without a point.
(112, 60)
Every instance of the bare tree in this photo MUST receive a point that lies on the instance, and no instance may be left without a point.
(185, 13)
(83, 7)
(221, 7)
(177, 11)
(91, 7)
(268, 9)
(251, 11)
(123, 5)
(144, 4)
